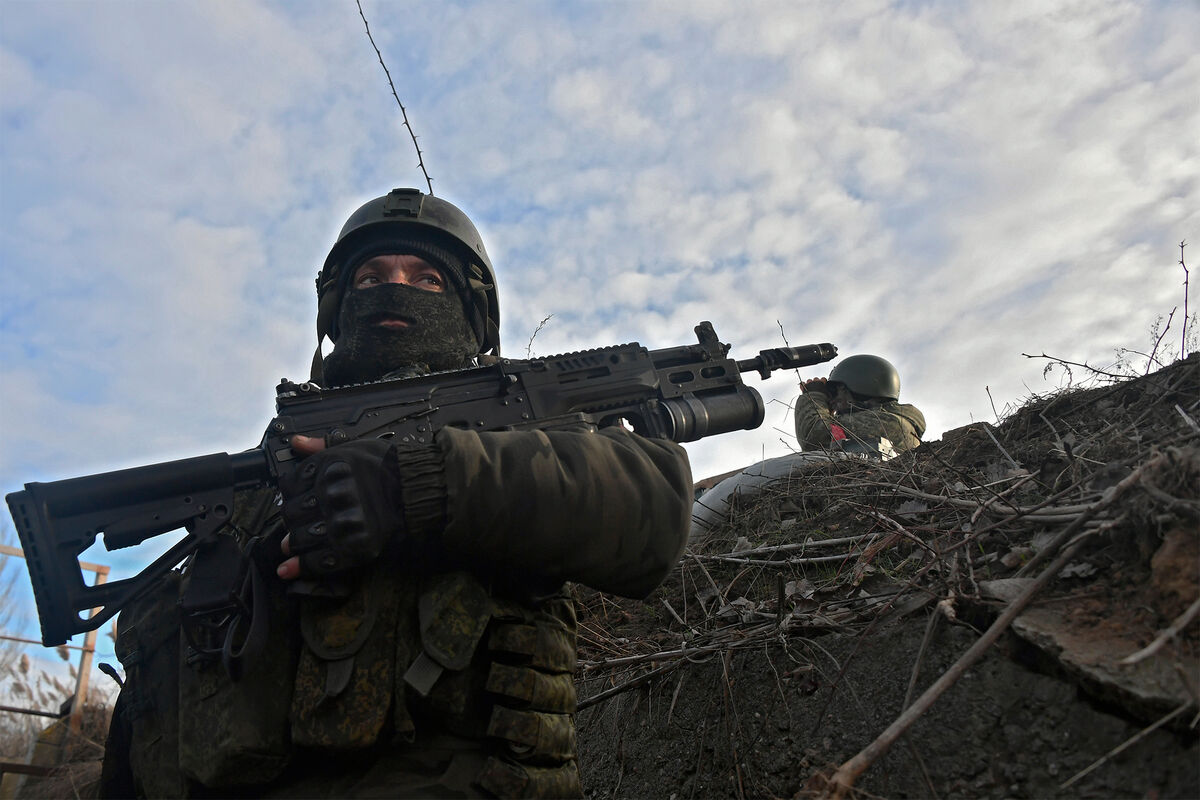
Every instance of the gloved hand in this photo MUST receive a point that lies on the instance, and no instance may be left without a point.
(812, 385)
(342, 506)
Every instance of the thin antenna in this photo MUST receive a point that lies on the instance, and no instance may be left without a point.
(403, 112)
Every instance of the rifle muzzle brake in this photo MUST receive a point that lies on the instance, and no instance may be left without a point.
(767, 361)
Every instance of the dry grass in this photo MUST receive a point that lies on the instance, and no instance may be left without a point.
(25, 685)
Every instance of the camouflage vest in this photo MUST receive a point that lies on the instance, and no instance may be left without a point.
(378, 673)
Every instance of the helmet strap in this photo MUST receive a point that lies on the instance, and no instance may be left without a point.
(316, 373)
(327, 309)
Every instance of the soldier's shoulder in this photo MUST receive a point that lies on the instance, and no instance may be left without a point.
(910, 413)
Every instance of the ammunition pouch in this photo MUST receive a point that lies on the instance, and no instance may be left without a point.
(237, 734)
(500, 671)
(534, 736)
(530, 680)
(148, 647)
(505, 779)
(453, 613)
(528, 687)
(346, 674)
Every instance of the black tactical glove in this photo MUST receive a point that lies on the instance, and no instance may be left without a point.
(342, 506)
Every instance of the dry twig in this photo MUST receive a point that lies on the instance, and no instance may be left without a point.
(1132, 740)
(1170, 632)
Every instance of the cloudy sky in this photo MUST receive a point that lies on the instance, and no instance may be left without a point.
(946, 184)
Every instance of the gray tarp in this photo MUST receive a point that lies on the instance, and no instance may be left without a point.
(712, 507)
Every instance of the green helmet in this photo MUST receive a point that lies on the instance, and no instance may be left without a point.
(408, 214)
(868, 376)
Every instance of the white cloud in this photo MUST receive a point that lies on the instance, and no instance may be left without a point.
(945, 184)
(590, 99)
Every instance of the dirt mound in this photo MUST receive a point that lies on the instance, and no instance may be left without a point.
(1059, 549)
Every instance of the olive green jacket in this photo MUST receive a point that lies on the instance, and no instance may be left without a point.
(817, 427)
(449, 667)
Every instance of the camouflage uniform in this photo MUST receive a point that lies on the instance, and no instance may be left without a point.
(448, 671)
(817, 427)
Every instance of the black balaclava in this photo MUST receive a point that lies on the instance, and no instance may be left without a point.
(439, 337)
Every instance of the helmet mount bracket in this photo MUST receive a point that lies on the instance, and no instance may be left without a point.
(403, 203)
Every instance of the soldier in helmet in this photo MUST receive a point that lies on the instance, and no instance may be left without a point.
(420, 641)
(857, 409)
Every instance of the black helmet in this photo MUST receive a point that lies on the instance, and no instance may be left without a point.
(868, 376)
(401, 214)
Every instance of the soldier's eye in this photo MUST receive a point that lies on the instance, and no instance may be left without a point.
(431, 281)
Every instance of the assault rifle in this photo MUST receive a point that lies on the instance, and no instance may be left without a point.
(678, 393)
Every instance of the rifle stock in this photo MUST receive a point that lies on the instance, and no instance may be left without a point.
(681, 393)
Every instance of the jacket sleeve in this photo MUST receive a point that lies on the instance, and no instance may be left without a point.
(608, 509)
(813, 420)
